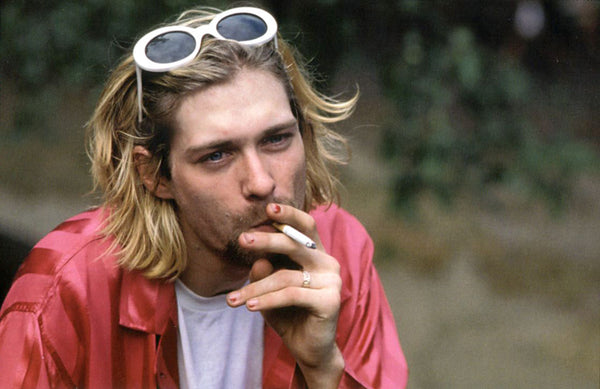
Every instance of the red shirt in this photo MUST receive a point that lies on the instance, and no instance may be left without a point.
(75, 318)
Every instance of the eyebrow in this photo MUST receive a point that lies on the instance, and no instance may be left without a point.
(230, 143)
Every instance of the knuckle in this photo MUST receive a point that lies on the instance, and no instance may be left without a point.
(311, 224)
(338, 283)
(267, 284)
(246, 292)
(334, 282)
(288, 276)
(334, 297)
(295, 295)
(331, 264)
(335, 266)
(330, 302)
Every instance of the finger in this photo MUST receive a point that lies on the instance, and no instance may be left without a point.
(269, 242)
(322, 302)
(296, 218)
(260, 269)
(277, 280)
(284, 279)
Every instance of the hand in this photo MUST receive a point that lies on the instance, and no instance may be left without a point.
(304, 317)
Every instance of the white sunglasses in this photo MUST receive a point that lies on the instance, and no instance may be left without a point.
(171, 47)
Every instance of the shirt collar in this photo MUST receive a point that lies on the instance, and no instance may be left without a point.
(146, 305)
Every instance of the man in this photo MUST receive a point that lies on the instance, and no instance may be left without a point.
(202, 143)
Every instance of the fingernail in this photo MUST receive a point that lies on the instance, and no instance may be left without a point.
(248, 238)
(233, 297)
(252, 303)
(276, 208)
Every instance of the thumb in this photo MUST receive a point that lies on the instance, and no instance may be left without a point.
(261, 269)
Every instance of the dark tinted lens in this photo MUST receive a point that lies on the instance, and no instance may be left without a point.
(170, 47)
(242, 27)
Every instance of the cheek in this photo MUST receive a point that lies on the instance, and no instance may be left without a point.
(206, 217)
(194, 195)
(298, 179)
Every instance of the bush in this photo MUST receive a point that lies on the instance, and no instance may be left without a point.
(463, 120)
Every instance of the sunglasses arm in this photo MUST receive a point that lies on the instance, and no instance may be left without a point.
(138, 73)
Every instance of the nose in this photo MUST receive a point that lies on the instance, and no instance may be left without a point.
(257, 181)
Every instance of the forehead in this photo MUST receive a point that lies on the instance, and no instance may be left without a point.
(252, 101)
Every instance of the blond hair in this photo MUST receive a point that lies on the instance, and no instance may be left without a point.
(145, 228)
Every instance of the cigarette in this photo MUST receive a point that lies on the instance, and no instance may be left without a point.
(295, 235)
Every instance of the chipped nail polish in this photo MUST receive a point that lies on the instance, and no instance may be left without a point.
(248, 238)
(233, 297)
(252, 303)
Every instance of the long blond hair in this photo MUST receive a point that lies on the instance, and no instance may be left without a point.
(145, 228)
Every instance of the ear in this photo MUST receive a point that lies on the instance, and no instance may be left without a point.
(158, 186)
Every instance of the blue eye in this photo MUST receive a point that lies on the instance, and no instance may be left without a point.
(277, 138)
(216, 156)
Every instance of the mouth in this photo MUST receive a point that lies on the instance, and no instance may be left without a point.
(264, 226)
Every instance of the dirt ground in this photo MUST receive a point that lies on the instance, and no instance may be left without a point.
(456, 333)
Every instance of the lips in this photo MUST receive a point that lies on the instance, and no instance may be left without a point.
(265, 226)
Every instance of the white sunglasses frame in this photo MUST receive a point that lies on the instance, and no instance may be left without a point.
(142, 61)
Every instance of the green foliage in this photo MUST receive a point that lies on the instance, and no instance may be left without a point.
(68, 44)
(459, 119)
(74, 41)
(462, 121)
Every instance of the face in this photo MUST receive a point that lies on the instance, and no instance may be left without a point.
(236, 147)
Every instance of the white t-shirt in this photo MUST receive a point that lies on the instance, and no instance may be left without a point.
(218, 346)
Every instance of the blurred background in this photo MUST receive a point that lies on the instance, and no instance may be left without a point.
(476, 150)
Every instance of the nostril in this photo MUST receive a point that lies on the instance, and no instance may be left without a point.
(258, 180)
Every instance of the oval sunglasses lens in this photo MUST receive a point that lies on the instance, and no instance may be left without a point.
(242, 27)
(170, 47)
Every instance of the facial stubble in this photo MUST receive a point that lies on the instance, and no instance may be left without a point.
(238, 256)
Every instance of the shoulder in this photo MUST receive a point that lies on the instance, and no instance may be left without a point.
(59, 258)
(335, 220)
(344, 238)
(337, 226)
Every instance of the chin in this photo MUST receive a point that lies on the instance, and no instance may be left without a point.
(236, 256)
(240, 258)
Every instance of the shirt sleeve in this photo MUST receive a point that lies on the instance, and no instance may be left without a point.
(23, 360)
(366, 334)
